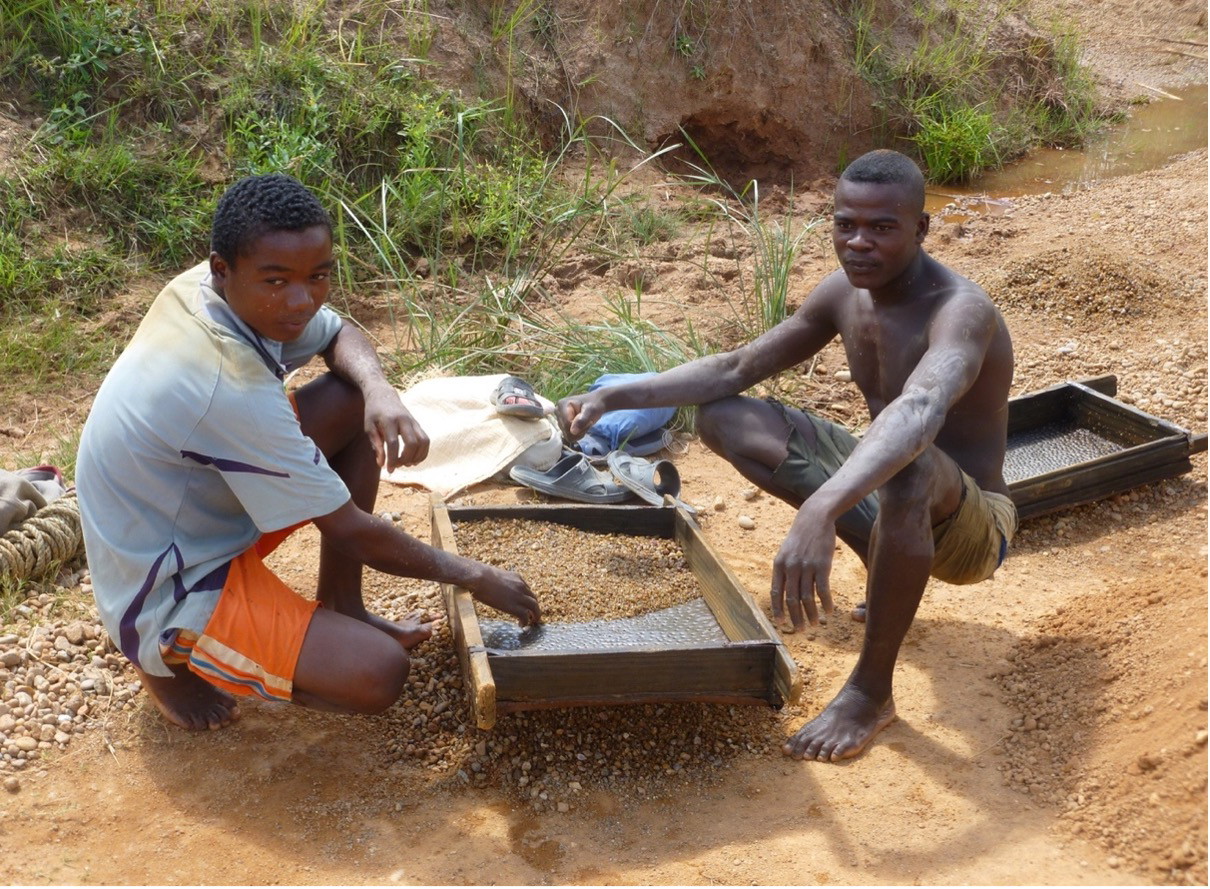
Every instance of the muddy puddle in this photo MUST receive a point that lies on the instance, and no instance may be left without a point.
(1152, 135)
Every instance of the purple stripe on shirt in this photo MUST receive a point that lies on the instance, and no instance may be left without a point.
(224, 465)
(128, 635)
(212, 582)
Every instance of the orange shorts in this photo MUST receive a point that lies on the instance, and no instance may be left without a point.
(251, 643)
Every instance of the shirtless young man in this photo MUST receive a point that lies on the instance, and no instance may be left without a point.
(923, 492)
(194, 463)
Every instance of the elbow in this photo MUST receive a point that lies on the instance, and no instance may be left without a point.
(922, 415)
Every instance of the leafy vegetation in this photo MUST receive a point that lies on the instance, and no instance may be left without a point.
(446, 207)
(936, 93)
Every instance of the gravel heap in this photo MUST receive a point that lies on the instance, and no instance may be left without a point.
(1090, 284)
(553, 759)
(60, 675)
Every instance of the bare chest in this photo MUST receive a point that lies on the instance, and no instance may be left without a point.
(882, 350)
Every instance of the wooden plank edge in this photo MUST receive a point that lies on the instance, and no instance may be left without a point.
(631, 700)
(1078, 495)
(785, 673)
(636, 520)
(464, 626)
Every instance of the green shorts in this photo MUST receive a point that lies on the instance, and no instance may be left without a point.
(968, 546)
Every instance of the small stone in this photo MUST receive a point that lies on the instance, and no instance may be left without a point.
(1200, 738)
(844, 375)
(719, 504)
(563, 807)
(12, 784)
(749, 493)
(75, 634)
(746, 522)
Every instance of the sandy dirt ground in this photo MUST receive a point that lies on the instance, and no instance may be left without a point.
(1052, 720)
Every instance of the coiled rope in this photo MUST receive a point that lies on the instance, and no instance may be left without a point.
(49, 538)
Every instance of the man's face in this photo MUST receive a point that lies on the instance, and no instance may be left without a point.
(877, 229)
(278, 286)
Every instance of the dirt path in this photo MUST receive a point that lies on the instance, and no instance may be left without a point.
(1052, 721)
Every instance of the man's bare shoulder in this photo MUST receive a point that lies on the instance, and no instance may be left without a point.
(828, 295)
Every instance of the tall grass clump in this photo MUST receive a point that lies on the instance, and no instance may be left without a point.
(506, 320)
(776, 244)
(959, 97)
(449, 204)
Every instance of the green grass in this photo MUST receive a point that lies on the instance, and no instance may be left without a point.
(148, 111)
(776, 245)
(963, 102)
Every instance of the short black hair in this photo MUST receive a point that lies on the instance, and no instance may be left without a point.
(257, 205)
(889, 168)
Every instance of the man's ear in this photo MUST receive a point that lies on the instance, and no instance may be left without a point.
(218, 271)
(922, 227)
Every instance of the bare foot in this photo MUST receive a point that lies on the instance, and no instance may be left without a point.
(844, 728)
(188, 700)
(409, 632)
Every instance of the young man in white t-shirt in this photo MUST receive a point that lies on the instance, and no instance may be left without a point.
(195, 462)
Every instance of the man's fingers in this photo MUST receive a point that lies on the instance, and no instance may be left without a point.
(808, 602)
(778, 591)
(824, 589)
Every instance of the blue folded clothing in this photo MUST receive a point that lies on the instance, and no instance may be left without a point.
(637, 431)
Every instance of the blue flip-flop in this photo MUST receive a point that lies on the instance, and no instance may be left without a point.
(573, 478)
(651, 480)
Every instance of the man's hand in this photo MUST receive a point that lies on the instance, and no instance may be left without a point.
(395, 435)
(506, 591)
(579, 413)
(802, 568)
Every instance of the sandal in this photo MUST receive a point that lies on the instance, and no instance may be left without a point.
(516, 398)
(652, 481)
(572, 478)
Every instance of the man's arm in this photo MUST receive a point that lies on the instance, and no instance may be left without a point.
(397, 438)
(959, 341)
(384, 547)
(717, 376)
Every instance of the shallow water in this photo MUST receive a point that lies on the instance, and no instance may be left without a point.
(1152, 135)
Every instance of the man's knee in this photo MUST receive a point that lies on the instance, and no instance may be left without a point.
(331, 412)
(718, 421)
(380, 680)
(909, 491)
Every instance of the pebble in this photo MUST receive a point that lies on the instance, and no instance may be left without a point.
(719, 504)
(749, 493)
(844, 375)
(746, 522)
(12, 784)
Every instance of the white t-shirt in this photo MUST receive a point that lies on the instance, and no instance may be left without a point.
(191, 451)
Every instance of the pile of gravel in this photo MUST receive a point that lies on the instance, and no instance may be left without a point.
(60, 676)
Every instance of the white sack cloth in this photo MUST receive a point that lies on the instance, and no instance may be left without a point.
(468, 441)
